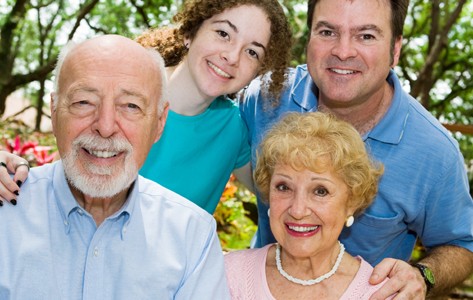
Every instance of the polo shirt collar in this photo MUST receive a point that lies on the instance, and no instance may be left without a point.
(391, 127)
(304, 92)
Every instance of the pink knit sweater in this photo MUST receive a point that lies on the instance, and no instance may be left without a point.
(246, 277)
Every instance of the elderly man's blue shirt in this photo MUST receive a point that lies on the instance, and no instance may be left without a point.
(423, 193)
(157, 246)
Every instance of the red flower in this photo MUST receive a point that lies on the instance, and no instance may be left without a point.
(42, 156)
(19, 149)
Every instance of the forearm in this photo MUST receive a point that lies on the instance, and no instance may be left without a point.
(450, 265)
(244, 175)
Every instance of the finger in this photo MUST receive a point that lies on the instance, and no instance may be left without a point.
(404, 282)
(390, 288)
(412, 291)
(8, 188)
(21, 172)
(5, 194)
(381, 271)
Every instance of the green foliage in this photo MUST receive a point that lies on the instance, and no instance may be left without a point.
(296, 11)
(235, 226)
(130, 18)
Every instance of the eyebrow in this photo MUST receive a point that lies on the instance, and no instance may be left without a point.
(134, 94)
(356, 29)
(316, 178)
(236, 30)
(81, 89)
(96, 91)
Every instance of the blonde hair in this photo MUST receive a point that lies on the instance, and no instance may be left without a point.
(309, 141)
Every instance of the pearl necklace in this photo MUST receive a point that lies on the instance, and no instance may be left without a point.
(311, 281)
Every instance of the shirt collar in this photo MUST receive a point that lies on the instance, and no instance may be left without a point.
(68, 204)
(304, 92)
(390, 128)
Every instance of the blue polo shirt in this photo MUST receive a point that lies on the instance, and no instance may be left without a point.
(157, 246)
(423, 193)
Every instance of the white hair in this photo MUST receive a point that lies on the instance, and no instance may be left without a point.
(67, 49)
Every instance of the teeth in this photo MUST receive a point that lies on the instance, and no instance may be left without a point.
(103, 154)
(218, 71)
(344, 72)
(303, 228)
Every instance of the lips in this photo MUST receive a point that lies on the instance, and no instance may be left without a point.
(219, 71)
(102, 153)
(302, 229)
(343, 71)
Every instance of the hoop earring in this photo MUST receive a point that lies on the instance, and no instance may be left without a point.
(350, 220)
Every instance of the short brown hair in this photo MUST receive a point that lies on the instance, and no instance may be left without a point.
(398, 15)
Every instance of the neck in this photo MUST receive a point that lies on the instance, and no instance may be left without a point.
(318, 268)
(100, 208)
(184, 96)
(363, 115)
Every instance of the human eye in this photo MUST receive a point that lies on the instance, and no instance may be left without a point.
(326, 33)
(132, 109)
(81, 104)
(222, 33)
(132, 106)
(281, 187)
(321, 191)
(253, 53)
(367, 37)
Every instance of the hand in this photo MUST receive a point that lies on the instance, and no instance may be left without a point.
(10, 188)
(404, 280)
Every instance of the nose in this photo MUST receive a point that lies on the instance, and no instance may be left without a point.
(299, 209)
(231, 55)
(344, 48)
(105, 123)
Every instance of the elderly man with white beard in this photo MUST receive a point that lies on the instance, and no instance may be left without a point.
(87, 226)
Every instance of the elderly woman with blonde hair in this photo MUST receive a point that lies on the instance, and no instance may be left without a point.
(317, 176)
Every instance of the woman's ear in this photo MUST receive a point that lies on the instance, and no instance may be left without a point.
(187, 42)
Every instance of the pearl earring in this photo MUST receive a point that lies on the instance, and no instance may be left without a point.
(350, 220)
(268, 211)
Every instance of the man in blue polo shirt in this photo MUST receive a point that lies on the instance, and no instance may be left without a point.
(87, 226)
(424, 193)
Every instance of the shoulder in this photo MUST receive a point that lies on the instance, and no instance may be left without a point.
(293, 75)
(420, 122)
(243, 261)
(44, 172)
(245, 272)
(437, 132)
(360, 288)
(40, 180)
(156, 198)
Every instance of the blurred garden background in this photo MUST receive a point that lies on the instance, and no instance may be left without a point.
(436, 66)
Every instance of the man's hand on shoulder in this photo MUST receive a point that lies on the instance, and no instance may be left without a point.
(405, 281)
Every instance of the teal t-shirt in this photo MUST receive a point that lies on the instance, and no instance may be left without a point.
(197, 154)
